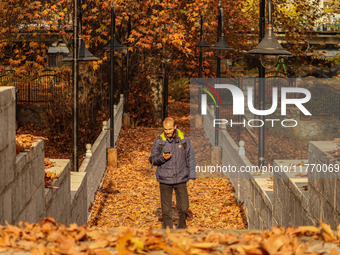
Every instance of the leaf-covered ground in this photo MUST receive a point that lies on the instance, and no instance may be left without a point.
(129, 195)
(47, 237)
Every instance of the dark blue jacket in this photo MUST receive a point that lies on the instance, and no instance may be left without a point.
(177, 169)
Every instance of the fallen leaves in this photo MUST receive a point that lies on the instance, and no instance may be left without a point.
(304, 230)
(48, 237)
(50, 176)
(327, 234)
(24, 142)
(48, 163)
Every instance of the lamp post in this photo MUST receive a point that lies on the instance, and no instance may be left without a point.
(126, 105)
(80, 53)
(202, 44)
(113, 45)
(222, 46)
(269, 51)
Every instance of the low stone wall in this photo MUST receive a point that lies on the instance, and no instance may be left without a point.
(324, 188)
(23, 196)
(260, 204)
(95, 162)
(291, 203)
(58, 201)
(78, 198)
(95, 165)
(7, 150)
(27, 190)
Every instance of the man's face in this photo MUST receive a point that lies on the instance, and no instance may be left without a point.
(169, 129)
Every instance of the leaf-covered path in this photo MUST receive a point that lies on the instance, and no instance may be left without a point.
(129, 195)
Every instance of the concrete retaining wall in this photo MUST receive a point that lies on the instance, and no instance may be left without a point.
(291, 203)
(58, 201)
(323, 188)
(23, 196)
(95, 165)
(27, 190)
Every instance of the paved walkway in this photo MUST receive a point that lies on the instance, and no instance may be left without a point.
(129, 195)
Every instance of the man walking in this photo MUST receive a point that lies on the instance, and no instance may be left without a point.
(175, 160)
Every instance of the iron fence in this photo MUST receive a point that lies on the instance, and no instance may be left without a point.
(324, 103)
(35, 88)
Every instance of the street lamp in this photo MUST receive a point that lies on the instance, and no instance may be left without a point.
(113, 45)
(202, 44)
(222, 47)
(126, 103)
(80, 53)
(269, 51)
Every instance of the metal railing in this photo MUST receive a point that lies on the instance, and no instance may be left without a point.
(35, 88)
(324, 104)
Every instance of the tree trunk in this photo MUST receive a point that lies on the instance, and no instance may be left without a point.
(156, 83)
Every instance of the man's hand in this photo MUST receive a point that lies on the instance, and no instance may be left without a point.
(166, 156)
(190, 184)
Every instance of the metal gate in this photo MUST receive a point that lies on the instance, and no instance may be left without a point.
(35, 89)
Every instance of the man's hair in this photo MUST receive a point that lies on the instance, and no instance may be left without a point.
(168, 120)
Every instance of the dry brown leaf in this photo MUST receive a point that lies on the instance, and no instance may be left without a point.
(66, 246)
(93, 234)
(99, 244)
(48, 163)
(305, 230)
(274, 243)
(334, 251)
(101, 252)
(196, 251)
(122, 243)
(178, 240)
(50, 186)
(81, 233)
(327, 233)
(174, 250)
(298, 248)
(206, 246)
(249, 249)
(39, 249)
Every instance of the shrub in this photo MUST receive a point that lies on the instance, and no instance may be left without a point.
(180, 90)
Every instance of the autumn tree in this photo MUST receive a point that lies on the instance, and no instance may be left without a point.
(163, 34)
(25, 29)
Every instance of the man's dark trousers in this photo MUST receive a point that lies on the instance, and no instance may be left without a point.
(182, 201)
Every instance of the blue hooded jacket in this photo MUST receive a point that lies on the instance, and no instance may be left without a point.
(181, 166)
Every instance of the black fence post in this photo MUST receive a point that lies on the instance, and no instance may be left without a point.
(217, 126)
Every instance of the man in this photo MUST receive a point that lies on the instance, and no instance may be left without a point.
(175, 160)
